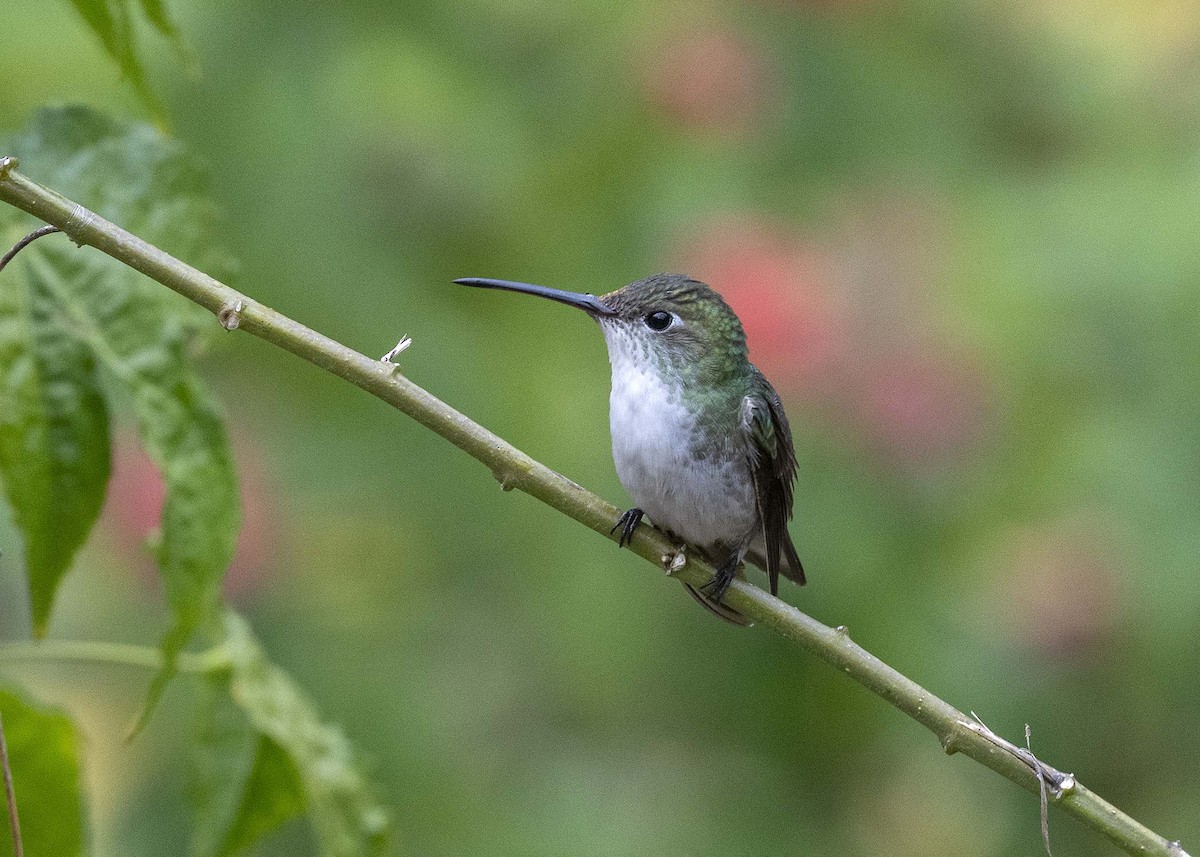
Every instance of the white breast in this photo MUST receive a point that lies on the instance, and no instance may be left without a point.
(705, 501)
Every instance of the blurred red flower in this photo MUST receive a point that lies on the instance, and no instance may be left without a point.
(780, 288)
(920, 404)
(708, 78)
(135, 497)
(848, 322)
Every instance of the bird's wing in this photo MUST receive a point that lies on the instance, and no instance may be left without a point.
(773, 463)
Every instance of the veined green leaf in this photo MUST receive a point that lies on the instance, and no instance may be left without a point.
(54, 443)
(220, 763)
(143, 351)
(243, 784)
(43, 751)
(347, 819)
(140, 334)
(201, 514)
(273, 795)
(133, 175)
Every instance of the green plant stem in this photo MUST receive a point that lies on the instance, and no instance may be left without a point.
(113, 654)
(10, 797)
(515, 469)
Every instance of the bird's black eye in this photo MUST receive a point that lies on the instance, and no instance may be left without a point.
(659, 320)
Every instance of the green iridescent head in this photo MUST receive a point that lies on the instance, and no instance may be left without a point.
(680, 324)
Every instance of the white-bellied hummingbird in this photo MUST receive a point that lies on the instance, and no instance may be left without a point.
(699, 436)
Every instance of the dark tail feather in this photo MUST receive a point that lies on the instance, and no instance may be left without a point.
(791, 568)
(719, 610)
(794, 569)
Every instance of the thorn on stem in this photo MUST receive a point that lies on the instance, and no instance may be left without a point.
(27, 240)
(8, 163)
(230, 314)
(404, 342)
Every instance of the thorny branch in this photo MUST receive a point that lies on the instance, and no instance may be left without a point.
(515, 469)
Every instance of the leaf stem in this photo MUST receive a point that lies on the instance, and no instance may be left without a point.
(25, 242)
(10, 796)
(515, 469)
(115, 654)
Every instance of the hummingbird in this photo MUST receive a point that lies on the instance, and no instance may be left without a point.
(699, 436)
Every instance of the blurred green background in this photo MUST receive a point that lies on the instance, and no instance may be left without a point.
(962, 238)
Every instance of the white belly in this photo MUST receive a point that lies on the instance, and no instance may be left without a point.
(704, 502)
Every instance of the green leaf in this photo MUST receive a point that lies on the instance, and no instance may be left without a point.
(54, 452)
(132, 174)
(201, 514)
(113, 23)
(156, 13)
(346, 818)
(243, 784)
(273, 795)
(43, 751)
(140, 336)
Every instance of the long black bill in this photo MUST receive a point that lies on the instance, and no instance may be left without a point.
(588, 303)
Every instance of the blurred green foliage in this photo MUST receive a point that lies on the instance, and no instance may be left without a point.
(273, 761)
(961, 238)
(43, 755)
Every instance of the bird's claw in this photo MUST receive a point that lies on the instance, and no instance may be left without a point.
(627, 524)
(719, 585)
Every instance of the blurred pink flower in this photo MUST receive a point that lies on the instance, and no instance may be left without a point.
(1056, 590)
(823, 5)
(708, 78)
(919, 397)
(920, 404)
(779, 287)
(135, 498)
(849, 322)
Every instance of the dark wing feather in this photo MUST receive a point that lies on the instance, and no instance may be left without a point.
(773, 463)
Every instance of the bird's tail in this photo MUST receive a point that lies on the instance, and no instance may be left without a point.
(791, 567)
(793, 570)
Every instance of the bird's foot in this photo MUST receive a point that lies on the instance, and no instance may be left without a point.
(627, 524)
(672, 562)
(716, 588)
